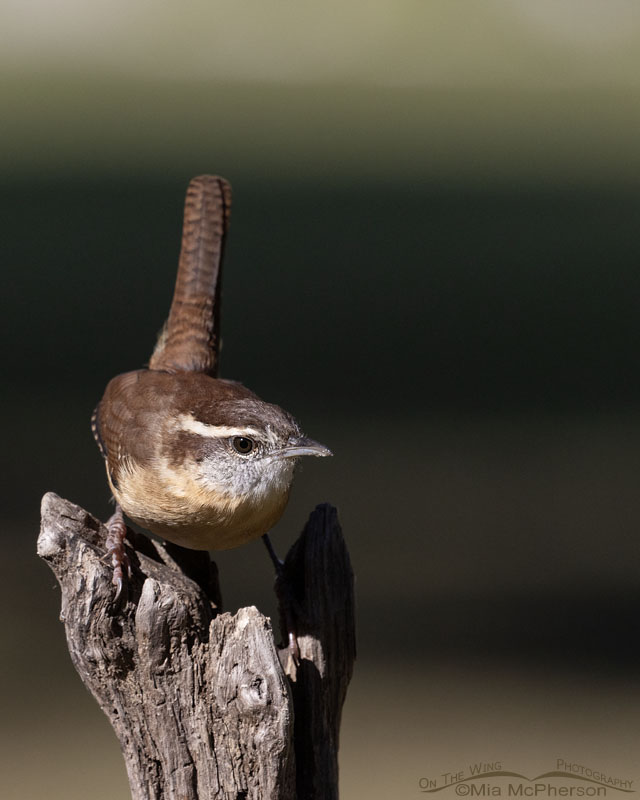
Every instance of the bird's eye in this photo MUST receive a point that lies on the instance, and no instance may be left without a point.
(242, 445)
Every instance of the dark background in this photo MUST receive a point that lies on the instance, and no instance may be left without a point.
(442, 284)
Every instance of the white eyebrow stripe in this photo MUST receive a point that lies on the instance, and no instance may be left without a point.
(190, 424)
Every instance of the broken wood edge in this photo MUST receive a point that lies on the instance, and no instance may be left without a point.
(168, 647)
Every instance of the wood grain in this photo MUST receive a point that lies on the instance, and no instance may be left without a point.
(198, 698)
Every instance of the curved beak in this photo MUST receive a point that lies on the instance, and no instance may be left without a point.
(304, 447)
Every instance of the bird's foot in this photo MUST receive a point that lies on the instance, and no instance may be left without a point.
(293, 647)
(117, 553)
(284, 594)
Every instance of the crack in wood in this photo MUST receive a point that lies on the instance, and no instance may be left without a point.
(199, 699)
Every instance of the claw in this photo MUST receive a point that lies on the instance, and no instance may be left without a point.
(115, 550)
(119, 584)
(294, 649)
(285, 599)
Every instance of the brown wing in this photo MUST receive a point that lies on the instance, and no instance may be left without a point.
(125, 421)
(132, 423)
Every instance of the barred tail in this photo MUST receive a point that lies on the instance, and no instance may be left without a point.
(190, 339)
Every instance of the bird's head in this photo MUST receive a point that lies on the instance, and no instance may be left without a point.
(249, 449)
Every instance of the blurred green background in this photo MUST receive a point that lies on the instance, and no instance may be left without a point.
(433, 264)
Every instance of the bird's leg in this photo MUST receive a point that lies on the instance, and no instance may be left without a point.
(116, 534)
(283, 592)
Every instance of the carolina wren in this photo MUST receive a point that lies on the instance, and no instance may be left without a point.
(200, 461)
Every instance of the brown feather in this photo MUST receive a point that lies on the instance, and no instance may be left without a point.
(167, 433)
(149, 458)
(191, 338)
(129, 418)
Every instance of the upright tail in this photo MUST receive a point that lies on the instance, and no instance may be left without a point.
(190, 340)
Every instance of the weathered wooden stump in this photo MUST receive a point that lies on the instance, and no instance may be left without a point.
(199, 699)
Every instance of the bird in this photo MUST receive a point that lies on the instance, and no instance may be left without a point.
(196, 459)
